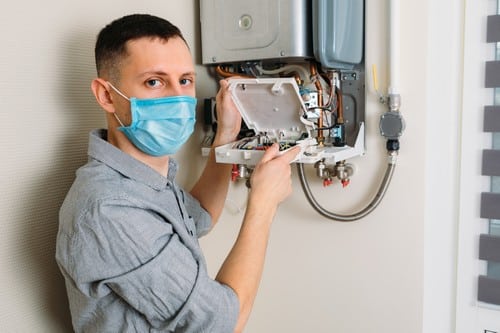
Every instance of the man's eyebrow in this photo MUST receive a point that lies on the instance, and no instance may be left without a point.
(189, 74)
(162, 73)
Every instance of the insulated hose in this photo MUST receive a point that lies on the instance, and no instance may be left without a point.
(362, 213)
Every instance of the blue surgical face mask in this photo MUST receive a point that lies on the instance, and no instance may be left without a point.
(160, 126)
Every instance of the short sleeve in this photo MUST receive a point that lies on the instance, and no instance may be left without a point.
(137, 255)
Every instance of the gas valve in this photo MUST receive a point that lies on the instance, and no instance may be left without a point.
(342, 171)
(327, 182)
(240, 171)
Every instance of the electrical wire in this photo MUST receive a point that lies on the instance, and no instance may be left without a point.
(301, 70)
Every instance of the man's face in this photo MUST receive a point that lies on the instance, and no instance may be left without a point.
(155, 68)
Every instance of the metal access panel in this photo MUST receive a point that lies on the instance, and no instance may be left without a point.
(246, 30)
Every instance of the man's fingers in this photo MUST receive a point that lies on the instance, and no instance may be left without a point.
(270, 153)
(291, 154)
(273, 152)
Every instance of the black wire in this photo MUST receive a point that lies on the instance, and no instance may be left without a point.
(325, 128)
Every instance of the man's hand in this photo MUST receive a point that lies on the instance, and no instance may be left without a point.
(228, 116)
(271, 180)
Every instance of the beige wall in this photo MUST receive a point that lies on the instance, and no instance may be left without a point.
(320, 276)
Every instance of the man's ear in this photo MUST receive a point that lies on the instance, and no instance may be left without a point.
(100, 89)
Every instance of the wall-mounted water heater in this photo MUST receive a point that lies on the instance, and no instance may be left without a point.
(297, 75)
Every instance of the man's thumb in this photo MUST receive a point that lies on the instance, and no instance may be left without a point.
(270, 153)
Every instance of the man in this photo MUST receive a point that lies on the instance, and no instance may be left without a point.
(127, 242)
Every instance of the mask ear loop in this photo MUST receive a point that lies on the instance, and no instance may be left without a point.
(117, 91)
(121, 124)
(122, 95)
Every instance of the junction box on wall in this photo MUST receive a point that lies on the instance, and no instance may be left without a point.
(296, 72)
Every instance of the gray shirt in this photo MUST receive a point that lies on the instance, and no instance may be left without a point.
(128, 249)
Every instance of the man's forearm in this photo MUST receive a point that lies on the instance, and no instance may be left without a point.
(242, 269)
(211, 189)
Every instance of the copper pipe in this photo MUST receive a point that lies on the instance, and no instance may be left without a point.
(225, 73)
(340, 107)
(319, 88)
(296, 76)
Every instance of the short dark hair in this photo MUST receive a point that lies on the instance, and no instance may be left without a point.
(111, 42)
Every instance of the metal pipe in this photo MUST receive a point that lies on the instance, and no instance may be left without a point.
(319, 88)
(357, 215)
(340, 107)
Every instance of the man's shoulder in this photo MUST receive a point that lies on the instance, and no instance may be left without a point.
(94, 183)
(94, 180)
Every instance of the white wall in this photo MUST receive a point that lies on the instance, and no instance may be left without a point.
(320, 276)
(442, 140)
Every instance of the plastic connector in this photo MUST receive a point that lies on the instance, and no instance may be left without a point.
(345, 182)
(392, 145)
(235, 172)
(339, 135)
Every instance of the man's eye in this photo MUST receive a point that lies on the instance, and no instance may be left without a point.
(185, 82)
(153, 83)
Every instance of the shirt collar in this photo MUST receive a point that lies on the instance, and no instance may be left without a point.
(101, 150)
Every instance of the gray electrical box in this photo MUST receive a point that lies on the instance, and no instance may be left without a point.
(246, 30)
(338, 33)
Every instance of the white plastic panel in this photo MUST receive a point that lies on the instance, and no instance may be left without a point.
(269, 105)
(273, 108)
